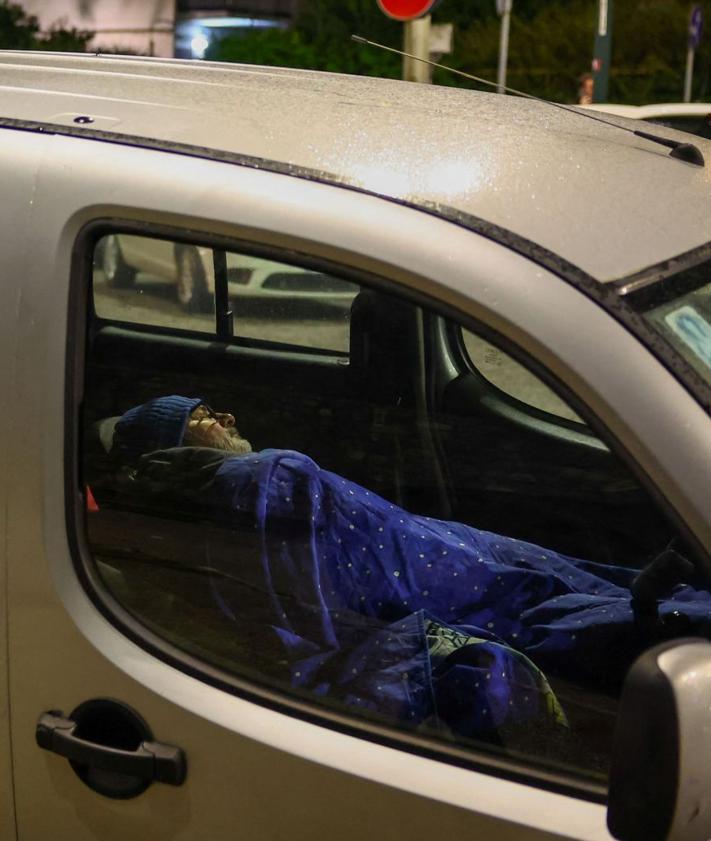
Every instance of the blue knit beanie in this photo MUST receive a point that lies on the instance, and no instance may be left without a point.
(155, 425)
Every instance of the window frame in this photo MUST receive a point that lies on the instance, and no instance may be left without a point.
(522, 770)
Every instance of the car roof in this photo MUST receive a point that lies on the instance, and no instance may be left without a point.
(606, 201)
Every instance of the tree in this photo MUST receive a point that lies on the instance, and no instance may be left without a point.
(321, 40)
(649, 51)
(62, 39)
(273, 47)
(20, 31)
(551, 45)
(548, 51)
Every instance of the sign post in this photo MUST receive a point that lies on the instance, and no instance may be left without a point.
(415, 14)
(417, 42)
(696, 28)
(503, 7)
(602, 52)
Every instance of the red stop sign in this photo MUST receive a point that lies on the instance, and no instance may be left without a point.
(407, 9)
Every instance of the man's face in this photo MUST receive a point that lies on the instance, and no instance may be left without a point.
(214, 429)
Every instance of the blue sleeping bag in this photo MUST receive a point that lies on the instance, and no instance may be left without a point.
(421, 620)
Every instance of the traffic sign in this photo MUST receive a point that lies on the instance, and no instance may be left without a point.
(696, 26)
(407, 9)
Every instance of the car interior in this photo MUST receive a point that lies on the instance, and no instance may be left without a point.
(405, 414)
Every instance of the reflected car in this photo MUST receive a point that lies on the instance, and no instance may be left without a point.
(190, 268)
(692, 117)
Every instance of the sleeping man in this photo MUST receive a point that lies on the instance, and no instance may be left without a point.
(424, 621)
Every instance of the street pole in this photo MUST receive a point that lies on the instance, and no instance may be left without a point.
(689, 73)
(602, 53)
(696, 28)
(505, 7)
(417, 42)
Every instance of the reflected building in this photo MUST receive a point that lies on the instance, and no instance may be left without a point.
(119, 26)
(182, 28)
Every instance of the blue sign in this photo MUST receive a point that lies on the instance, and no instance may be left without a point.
(696, 26)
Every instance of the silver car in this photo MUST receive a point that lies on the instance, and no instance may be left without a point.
(433, 561)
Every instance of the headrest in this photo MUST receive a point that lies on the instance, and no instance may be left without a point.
(99, 464)
(103, 432)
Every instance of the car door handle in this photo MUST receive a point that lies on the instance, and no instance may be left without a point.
(150, 761)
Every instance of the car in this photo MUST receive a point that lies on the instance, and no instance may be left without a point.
(693, 117)
(190, 269)
(431, 562)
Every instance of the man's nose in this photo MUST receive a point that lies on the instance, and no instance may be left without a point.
(225, 420)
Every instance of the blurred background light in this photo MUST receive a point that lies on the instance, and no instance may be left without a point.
(199, 44)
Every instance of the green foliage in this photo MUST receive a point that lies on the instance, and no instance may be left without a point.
(548, 50)
(551, 45)
(329, 27)
(321, 40)
(60, 39)
(20, 31)
(267, 46)
(649, 52)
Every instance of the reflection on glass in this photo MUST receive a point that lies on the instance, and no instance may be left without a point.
(513, 379)
(145, 280)
(685, 319)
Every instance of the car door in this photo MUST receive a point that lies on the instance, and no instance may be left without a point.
(261, 756)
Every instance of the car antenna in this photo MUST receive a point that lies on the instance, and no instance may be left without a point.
(684, 151)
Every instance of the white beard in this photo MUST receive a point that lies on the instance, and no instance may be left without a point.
(234, 444)
(204, 436)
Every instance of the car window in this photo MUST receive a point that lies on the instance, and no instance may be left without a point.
(373, 543)
(499, 369)
(165, 283)
(679, 308)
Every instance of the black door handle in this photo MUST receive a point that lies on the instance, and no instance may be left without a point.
(150, 761)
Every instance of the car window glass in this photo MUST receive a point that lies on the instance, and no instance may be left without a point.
(280, 302)
(165, 283)
(679, 309)
(498, 368)
(340, 535)
(146, 280)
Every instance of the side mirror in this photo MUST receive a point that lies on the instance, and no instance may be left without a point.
(660, 780)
